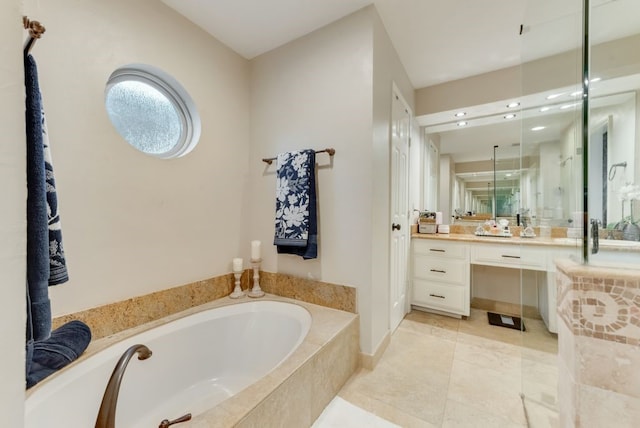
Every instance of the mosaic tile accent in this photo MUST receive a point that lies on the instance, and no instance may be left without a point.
(599, 344)
(116, 317)
(593, 303)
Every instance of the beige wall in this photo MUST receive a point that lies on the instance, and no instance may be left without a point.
(133, 224)
(331, 88)
(608, 60)
(12, 220)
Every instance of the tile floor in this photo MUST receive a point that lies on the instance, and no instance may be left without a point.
(444, 372)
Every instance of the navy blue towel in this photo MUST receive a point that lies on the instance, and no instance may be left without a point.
(46, 264)
(39, 307)
(296, 225)
(65, 345)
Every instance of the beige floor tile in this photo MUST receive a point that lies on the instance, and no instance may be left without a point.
(428, 329)
(541, 416)
(439, 371)
(486, 389)
(384, 410)
(484, 357)
(461, 415)
(540, 382)
(415, 353)
(421, 398)
(442, 321)
(491, 344)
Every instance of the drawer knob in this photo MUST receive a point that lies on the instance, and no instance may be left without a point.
(436, 295)
(439, 271)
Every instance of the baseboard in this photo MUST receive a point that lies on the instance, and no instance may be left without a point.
(368, 361)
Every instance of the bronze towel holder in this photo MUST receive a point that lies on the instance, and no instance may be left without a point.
(36, 30)
(330, 151)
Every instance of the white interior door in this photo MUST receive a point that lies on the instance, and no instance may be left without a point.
(399, 229)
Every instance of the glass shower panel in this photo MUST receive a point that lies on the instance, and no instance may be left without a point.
(614, 141)
(551, 155)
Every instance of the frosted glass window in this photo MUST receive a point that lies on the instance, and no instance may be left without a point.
(152, 111)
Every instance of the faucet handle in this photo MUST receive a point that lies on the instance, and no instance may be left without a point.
(166, 422)
(595, 238)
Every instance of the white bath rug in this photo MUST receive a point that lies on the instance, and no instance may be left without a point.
(342, 414)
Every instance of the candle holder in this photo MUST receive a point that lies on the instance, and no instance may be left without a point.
(256, 291)
(237, 290)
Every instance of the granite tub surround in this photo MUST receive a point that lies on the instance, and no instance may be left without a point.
(308, 290)
(295, 392)
(599, 345)
(115, 317)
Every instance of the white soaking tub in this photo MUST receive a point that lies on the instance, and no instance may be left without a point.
(198, 361)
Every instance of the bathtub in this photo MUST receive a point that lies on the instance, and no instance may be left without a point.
(198, 361)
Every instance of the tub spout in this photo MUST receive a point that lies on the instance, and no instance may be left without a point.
(107, 413)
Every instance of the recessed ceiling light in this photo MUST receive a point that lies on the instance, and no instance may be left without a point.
(552, 96)
(543, 109)
(538, 128)
(461, 113)
(507, 175)
(513, 104)
(463, 123)
(509, 116)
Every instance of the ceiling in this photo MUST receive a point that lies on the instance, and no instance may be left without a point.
(437, 40)
(430, 36)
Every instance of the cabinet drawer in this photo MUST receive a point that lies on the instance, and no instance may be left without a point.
(513, 256)
(440, 296)
(453, 271)
(439, 248)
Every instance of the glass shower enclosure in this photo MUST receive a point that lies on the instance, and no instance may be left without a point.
(580, 145)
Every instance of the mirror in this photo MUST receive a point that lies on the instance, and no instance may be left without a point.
(532, 179)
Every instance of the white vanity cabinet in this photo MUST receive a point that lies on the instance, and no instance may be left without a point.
(441, 276)
(441, 279)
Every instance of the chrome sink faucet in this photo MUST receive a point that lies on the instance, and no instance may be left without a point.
(107, 414)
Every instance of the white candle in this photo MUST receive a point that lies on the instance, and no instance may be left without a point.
(255, 250)
(237, 264)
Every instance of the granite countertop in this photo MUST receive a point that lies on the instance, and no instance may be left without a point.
(608, 244)
(514, 240)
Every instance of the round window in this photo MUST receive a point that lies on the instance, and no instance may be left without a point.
(152, 111)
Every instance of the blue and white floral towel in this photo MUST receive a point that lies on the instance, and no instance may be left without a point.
(296, 218)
